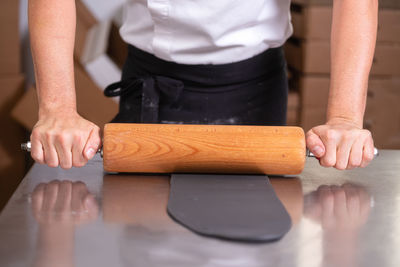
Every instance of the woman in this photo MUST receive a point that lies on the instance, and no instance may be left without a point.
(217, 62)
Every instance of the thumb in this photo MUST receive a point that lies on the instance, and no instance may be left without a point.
(92, 145)
(315, 144)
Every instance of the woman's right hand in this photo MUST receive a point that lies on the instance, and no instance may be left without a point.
(64, 139)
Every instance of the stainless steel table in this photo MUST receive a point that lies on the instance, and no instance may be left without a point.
(83, 217)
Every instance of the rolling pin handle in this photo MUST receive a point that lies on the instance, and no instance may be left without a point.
(27, 147)
(311, 155)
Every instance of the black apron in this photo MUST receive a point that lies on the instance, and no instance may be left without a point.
(249, 92)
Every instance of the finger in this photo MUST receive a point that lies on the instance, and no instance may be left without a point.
(343, 152)
(79, 192)
(37, 198)
(368, 151)
(91, 206)
(312, 206)
(50, 153)
(63, 202)
(93, 143)
(327, 200)
(330, 140)
(339, 200)
(50, 196)
(78, 160)
(315, 144)
(63, 148)
(352, 199)
(365, 203)
(90, 202)
(37, 153)
(356, 152)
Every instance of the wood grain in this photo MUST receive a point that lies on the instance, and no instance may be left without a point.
(173, 148)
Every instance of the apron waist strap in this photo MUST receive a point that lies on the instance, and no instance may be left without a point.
(147, 88)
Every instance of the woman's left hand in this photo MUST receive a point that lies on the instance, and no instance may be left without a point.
(341, 144)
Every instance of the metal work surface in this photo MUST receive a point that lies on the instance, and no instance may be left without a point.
(340, 218)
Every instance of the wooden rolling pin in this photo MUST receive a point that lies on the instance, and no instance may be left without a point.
(172, 148)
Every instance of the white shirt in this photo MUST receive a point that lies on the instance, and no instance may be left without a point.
(206, 31)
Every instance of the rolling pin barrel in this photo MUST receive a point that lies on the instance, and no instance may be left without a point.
(169, 148)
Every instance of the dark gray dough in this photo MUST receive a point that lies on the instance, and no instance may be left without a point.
(235, 207)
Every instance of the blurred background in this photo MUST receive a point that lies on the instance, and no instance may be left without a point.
(100, 52)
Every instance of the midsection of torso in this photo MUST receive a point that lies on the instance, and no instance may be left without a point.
(206, 32)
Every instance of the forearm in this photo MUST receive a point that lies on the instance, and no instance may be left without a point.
(353, 38)
(52, 35)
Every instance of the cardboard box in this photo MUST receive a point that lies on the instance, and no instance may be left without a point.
(9, 38)
(93, 24)
(104, 10)
(311, 22)
(91, 34)
(93, 40)
(314, 91)
(25, 111)
(389, 25)
(382, 3)
(91, 103)
(382, 115)
(313, 57)
(103, 71)
(308, 57)
(311, 117)
(293, 108)
(314, 23)
(12, 163)
(386, 60)
(117, 48)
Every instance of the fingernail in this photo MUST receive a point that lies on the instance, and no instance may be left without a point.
(90, 153)
(317, 151)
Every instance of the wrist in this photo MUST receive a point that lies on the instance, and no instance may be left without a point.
(50, 110)
(56, 101)
(355, 122)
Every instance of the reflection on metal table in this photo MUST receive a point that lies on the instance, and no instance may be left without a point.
(83, 217)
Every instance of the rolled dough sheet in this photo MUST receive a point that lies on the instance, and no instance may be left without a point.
(235, 207)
